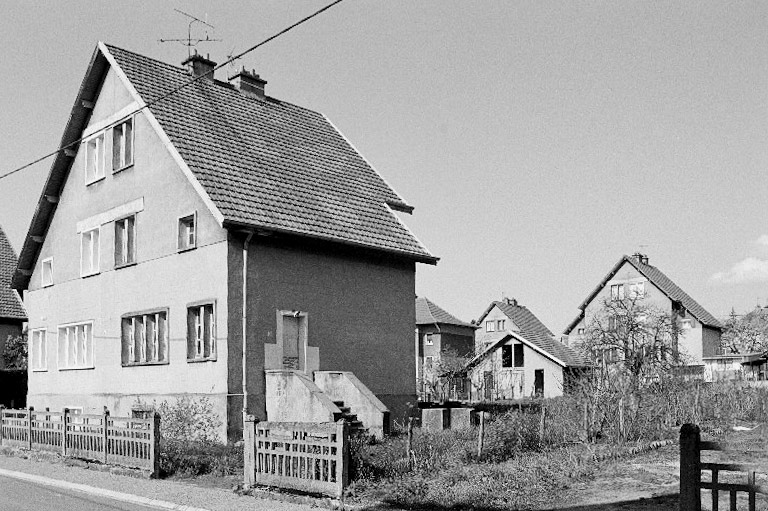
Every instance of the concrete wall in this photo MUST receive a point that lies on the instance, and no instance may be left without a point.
(291, 396)
(345, 386)
(162, 278)
(359, 309)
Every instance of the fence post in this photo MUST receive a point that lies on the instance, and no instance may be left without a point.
(30, 411)
(249, 450)
(542, 425)
(104, 422)
(690, 468)
(481, 435)
(342, 465)
(409, 443)
(2, 416)
(64, 420)
(155, 452)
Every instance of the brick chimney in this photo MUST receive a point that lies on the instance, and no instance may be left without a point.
(249, 83)
(511, 301)
(200, 65)
(641, 258)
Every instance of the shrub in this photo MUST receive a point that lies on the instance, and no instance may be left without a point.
(189, 419)
(192, 458)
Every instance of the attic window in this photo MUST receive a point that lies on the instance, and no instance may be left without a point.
(501, 324)
(187, 232)
(122, 145)
(94, 159)
(89, 252)
(47, 272)
(490, 326)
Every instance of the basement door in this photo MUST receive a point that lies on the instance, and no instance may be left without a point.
(538, 382)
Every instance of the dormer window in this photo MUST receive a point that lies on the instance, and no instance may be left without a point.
(122, 145)
(94, 159)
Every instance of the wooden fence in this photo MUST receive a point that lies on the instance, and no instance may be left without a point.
(114, 440)
(311, 457)
(691, 466)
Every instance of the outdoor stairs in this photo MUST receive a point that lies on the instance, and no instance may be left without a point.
(355, 425)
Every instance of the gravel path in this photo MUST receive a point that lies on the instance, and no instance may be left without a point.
(213, 499)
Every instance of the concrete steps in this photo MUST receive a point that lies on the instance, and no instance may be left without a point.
(355, 425)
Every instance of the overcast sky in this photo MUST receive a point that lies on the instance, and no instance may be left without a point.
(538, 141)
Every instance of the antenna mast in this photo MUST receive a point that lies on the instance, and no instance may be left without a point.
(189, 42)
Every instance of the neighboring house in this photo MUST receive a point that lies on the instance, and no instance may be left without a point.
(12, 318)
(518, 357)
(196, 239)
(632, 276)
(736, 366)
(443, 341)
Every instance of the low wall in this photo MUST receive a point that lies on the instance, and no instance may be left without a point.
(345, 386)
(293, 397)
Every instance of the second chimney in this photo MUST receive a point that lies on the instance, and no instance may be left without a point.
(201, 66)
(249, 83)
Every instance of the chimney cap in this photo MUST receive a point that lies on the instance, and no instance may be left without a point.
(641, 258)
(511, 301)
(250, 76)
(196, 57)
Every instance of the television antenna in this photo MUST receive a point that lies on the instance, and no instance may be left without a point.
(189, 41)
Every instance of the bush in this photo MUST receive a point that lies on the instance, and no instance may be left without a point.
(189, 419)
(193, 458)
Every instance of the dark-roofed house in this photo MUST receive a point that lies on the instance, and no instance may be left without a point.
(214, 242)
(12, 314)
(442, 340)
(518, 357)
(633, 276)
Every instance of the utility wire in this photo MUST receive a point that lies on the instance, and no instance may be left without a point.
(177, 89)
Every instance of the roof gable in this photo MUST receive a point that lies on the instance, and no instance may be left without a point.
(658, 279)
(10, 304)
(429, 313)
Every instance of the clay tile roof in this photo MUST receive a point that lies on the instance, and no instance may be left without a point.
(271, 164)
(428, 313)
(10, 304)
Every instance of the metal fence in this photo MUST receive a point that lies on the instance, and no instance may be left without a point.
(311, 457)
(115, 440)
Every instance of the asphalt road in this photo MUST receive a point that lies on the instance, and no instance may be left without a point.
(16, 495)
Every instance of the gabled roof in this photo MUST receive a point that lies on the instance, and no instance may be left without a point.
(260, 163)
(428, 313)
(535, 333)
(10, 304)
(661, 281)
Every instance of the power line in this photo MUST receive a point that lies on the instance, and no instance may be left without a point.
(177, 89)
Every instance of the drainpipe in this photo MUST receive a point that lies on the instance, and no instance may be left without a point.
(245, 329)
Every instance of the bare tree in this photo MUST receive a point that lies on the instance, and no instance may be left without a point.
(747, 333)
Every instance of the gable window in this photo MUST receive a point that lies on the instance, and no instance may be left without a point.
(46, 272)
(506, 356)
(500, 324)
(38, 350)
(617, 292)
(145, 338)
(75, 350)
(187, 232)
(637, 289)
(94, 159)
(429, 339)
(89, 252)
(125, 241)
(201, 333)
(122, 145)
(519, 355)
(490, 326)
(580, 331)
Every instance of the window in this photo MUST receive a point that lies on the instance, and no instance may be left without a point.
(612, 323)
(125, 241)
(76, 346)
(201, 332)
(89, 252)
(46, 273)
(617, 292)
(428, 361)
(687, 324)
(122, 145)
(490, 326)
(429, 340)
(519, 355)
(506, 356)
(145, 338)
(580, 331)
(500, 325)
(38, 350)
(94, 159)
(637, 289)
(187, 232)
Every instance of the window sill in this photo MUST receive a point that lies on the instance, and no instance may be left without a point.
(186, 249)
(76, 368)
(89, 183)
(86, 275)
(199, 360)
(126, 167)
(40, 370)
(46, 285)
(138, 364)
(125, 265)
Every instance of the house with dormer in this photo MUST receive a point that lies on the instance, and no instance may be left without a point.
(197, 237)
(517, 356)
(634, 277)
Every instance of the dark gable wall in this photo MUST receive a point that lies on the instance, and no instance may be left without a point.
(360, 314)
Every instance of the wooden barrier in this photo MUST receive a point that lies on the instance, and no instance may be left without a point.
(310, 457)
(691, 466)
(115, 440)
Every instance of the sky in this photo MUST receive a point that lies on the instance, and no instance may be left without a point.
(538, 141)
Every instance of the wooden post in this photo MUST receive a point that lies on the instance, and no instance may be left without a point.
(154, 453)
(2, 416)
(409, 442)
(30, 411)
(342, 465)
(621, 419)
(751, 483)
(105, 438)
(586, 421)
(249, 450)
(481, 435)
(690, 468)
(542, 425)
(64, 421)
